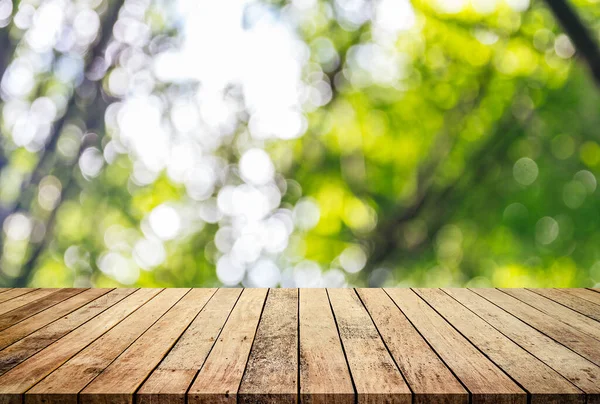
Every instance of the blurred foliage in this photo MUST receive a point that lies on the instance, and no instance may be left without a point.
(430, 143)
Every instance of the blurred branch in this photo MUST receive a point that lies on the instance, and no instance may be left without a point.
(385, 239)
(7, 48)
(442, 201)
(578, 33)
(95, 57)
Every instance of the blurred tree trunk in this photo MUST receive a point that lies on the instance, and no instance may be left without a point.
(92, 113)
(579, 35)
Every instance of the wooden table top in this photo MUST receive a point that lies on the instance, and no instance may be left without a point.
(312, 345)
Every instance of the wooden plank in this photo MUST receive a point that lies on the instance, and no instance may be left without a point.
(34, 323)
(62, 385)
(35, 342)
(12, 293)
(573, 302)
(2, 290)
(119, 381)
(543, 383)
(324, 373)
(22, 300)
(586, 294)
(375, 375)
(22, 377)
(28, 310)
(429, 379)
(219, 379)
(170, 381)
(558, 311)
(579, 342)
(486, 382)
(581, 372)
(271, 374)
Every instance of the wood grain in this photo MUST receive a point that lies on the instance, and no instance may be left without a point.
(485, 381)
(578, 341)
(63, 385)
(170, 381)
(578, 370)
(12, 293)
(316, 346)
(271, 374)
(28, 310)
(324, 373)
(543, 383)
(573, 302)
(429, 379)
(376, 377)
(34, 323)
(119, 381)
(24, 299)
(557, 311)
(590, 295)
(35, 342)
(22, 377)
(219, 379)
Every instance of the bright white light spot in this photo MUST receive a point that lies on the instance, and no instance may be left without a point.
(149, 253)
(246, 248)
(334, 278)
(256, 167)
(353, 259)
(451, 6)
(184, 115)
(307, 274)
(165, 222)
(17, 227)
(264, 274)
(91, 162)
(587, 179)
(276, 236)
(525, 171)
(306, 214)
(49, 193)
(546, 230)
(86, 25)
(18, 79)
(394, 15)
(564, 47)
(229, 271)
(121, 269)
(518, 5)
(118, 82)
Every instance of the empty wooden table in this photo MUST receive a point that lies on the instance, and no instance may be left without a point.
(155, 346)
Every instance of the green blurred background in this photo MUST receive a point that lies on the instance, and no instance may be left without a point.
(307, 143)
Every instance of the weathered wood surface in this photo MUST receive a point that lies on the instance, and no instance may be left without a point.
(177, 346)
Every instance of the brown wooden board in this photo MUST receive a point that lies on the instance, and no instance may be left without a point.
(485, 381)
(219, 379)
(26, 374)
(578, 341)
(376, 377)
(558, 311)
(592, 310)
(543, 383)
(28, 310)
(63, 385)
(578, 370)
(271, 374)
(428, 377)
(324, 373)
(121, 379)
(346, 346)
